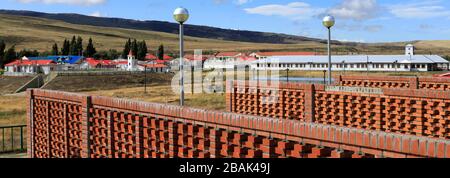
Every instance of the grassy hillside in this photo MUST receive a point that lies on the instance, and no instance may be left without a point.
(41, 34)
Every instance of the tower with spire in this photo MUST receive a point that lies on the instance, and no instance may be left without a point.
(132, 62)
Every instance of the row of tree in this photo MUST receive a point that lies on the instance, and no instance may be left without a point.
(75, 47)
(6, 55)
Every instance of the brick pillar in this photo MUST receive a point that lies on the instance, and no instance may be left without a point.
(214, 139)
(282, 100)
(30, 125)
(110, 127)
(66, 130)
(173, 138)
(414, 83)
(139, 137)
(86, 105)
(310, 93)
(47, 116)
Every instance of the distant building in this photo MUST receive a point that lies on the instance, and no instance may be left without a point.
(157, 68)
(407, 62)
(91, 63)
(264, 55)
(132, 62)
(25, 66)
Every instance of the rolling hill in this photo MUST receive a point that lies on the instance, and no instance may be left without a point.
(36, 30)
(167, 27)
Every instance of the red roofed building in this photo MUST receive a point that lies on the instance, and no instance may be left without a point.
(228, 55)
(263, 55)
(153, 57)
(91, 63)
(158, 68)
(24, 66)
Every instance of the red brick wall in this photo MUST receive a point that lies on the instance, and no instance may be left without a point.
(73, 125)
(431, 83)
(405, 111)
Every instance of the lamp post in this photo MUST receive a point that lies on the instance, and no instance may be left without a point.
(329, 22)
(181, 15)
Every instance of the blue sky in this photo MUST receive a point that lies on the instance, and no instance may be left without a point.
(357, 20)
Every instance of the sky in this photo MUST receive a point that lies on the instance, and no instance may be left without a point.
(356, 20)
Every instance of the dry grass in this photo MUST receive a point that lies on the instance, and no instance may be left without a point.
(41, 34)
(12, 110)
(164, 94)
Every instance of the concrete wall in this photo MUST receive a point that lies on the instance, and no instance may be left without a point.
(64, 125)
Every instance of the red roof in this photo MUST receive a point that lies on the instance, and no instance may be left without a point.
(130, 53)
(286, 53)
(161, 61)
(94, 62)
(247, 58)
(167, 57)
(30, 62)
(154, 65)
(153, 57)
(228, 54)
(150, 57)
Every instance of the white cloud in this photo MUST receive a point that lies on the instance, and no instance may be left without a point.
(355, 9)
(240, 2)
(70, 2)
(295, 10)
(424, 9)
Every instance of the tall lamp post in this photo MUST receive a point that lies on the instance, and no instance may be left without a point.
(329, 22)
(181, 15)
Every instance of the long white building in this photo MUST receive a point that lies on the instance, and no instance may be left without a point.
(407, 62)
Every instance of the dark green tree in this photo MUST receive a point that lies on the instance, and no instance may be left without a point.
(90, 49)
(79, 46)
(447, 57)
(160, 52)
(55, 50)
(2, 52)
(126, 49)
(142, 50)
(113, 54)
(134, 47)
(73, 46)
(28, 53)
(10, 55)
(65, 50)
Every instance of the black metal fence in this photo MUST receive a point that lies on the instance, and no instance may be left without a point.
(13, 138)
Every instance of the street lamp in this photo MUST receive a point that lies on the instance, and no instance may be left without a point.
(181, 15)
(329, 22)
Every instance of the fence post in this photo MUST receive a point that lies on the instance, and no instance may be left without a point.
(310, 93)
(414, 83)
(30, 126)
(86, 147)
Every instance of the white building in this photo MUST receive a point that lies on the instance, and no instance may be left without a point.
(132, 62)
(393, 63)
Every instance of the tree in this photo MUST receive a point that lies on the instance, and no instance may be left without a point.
(142, 50)
(73, 46)
(2, 52)
(10, 55)
(28, 53)
(65, 50)
(134, 47)
(55, 50)
(447, 58)
(79, 46)
(160, 52)
(90, 49)
(126, 49)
